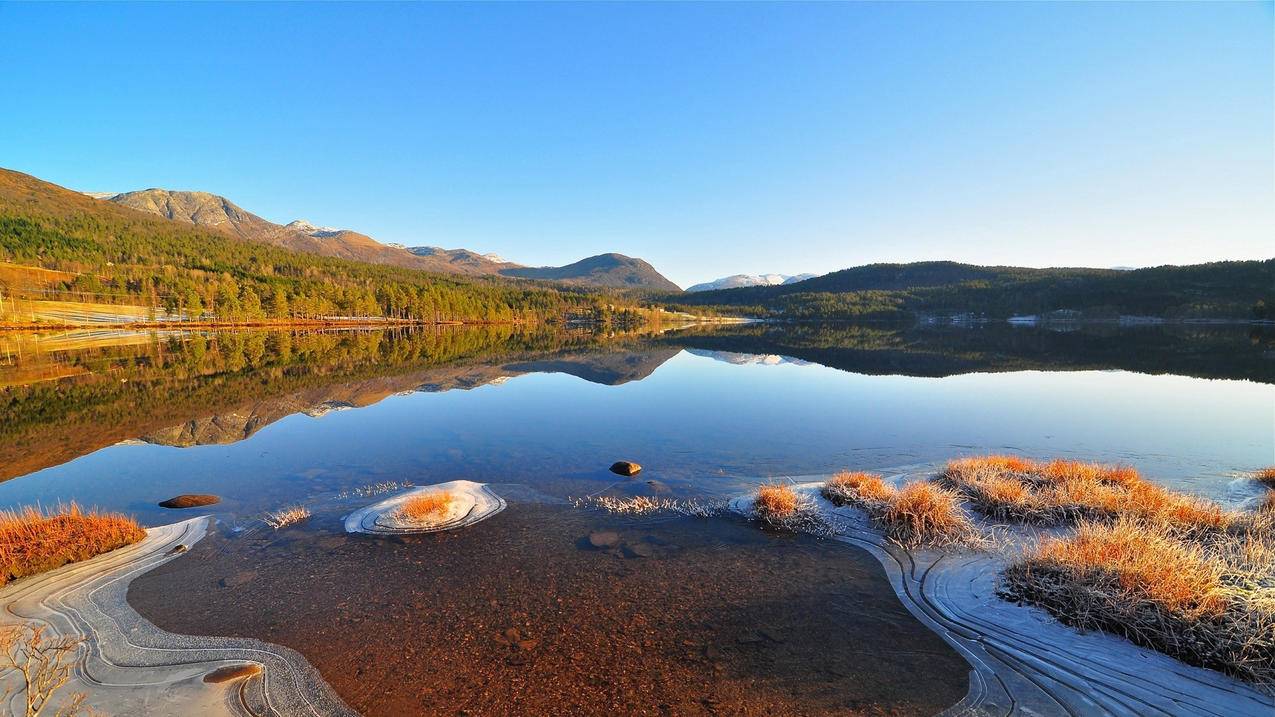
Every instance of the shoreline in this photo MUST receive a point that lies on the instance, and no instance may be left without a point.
(1022, 659)
(129, 666)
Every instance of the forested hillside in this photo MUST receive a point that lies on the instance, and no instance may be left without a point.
(1231, 289)
(120, 255)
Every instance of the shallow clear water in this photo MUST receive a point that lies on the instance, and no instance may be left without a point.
(701, 421)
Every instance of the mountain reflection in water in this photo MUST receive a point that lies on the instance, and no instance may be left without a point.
(67, 395)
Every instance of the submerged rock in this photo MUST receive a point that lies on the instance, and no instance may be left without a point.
(626, 468)
(190, 500)
(604, 539)
(232, 672)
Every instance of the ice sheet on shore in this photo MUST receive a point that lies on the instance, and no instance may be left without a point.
(1025, 662)
(128, 666)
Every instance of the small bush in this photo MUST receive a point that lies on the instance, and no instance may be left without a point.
(427, 506)
(1265, 475)
(32, 541)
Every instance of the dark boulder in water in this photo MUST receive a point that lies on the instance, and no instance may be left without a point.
(626, 468)
(190, 500)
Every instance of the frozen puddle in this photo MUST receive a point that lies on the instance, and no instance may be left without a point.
(471, 503)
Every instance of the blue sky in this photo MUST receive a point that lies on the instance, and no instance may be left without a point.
(709, 139)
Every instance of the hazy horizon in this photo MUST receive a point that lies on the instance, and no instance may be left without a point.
(709, 140)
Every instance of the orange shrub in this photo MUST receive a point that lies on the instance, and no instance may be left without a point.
(1265, 475)
(32, 541)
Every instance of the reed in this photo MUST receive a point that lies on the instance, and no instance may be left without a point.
(1204, 599)
(33, 541)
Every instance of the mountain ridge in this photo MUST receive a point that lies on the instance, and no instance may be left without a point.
(216, 212)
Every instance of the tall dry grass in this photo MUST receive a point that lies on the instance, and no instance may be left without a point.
(853, 488)
(33, 541)
(1265, 475)
(1204, 598)
(1022, 490)
(918, 514)
(922, 513)
(775, 501)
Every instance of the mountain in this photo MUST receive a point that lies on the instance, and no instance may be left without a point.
(218, 213)
(736, 281)
(610, 270)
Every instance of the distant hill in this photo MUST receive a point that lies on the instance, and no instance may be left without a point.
(1230, 289)
(610, 270)
(218, 213)
(736, 281)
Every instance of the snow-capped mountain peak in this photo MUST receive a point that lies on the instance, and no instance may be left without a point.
(736, 281)
(306, 227)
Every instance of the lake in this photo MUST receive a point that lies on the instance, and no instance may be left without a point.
(677, 614)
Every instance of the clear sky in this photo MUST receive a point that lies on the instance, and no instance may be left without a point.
(709, 139)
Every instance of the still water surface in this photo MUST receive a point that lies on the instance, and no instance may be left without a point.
(258, 429)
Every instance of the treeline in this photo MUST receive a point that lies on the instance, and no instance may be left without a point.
(1233, 289)
(125, 257)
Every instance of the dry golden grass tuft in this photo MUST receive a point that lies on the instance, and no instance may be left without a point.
(32, 541)
(1012, 488)
(1205, 598)
(1265, 475)
(427, 506)
(854, 487)
(923, 513)
(775, 500)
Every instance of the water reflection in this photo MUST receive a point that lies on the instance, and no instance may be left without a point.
(123, 419)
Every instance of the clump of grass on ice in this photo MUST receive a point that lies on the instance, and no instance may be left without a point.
(1022, 490)
(922, 513)
(1265, 475)
(1207, 599)
(779, 506)
(284, 517)
(426, 506)
(856, 488)
(918, 514)
(33, 541)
